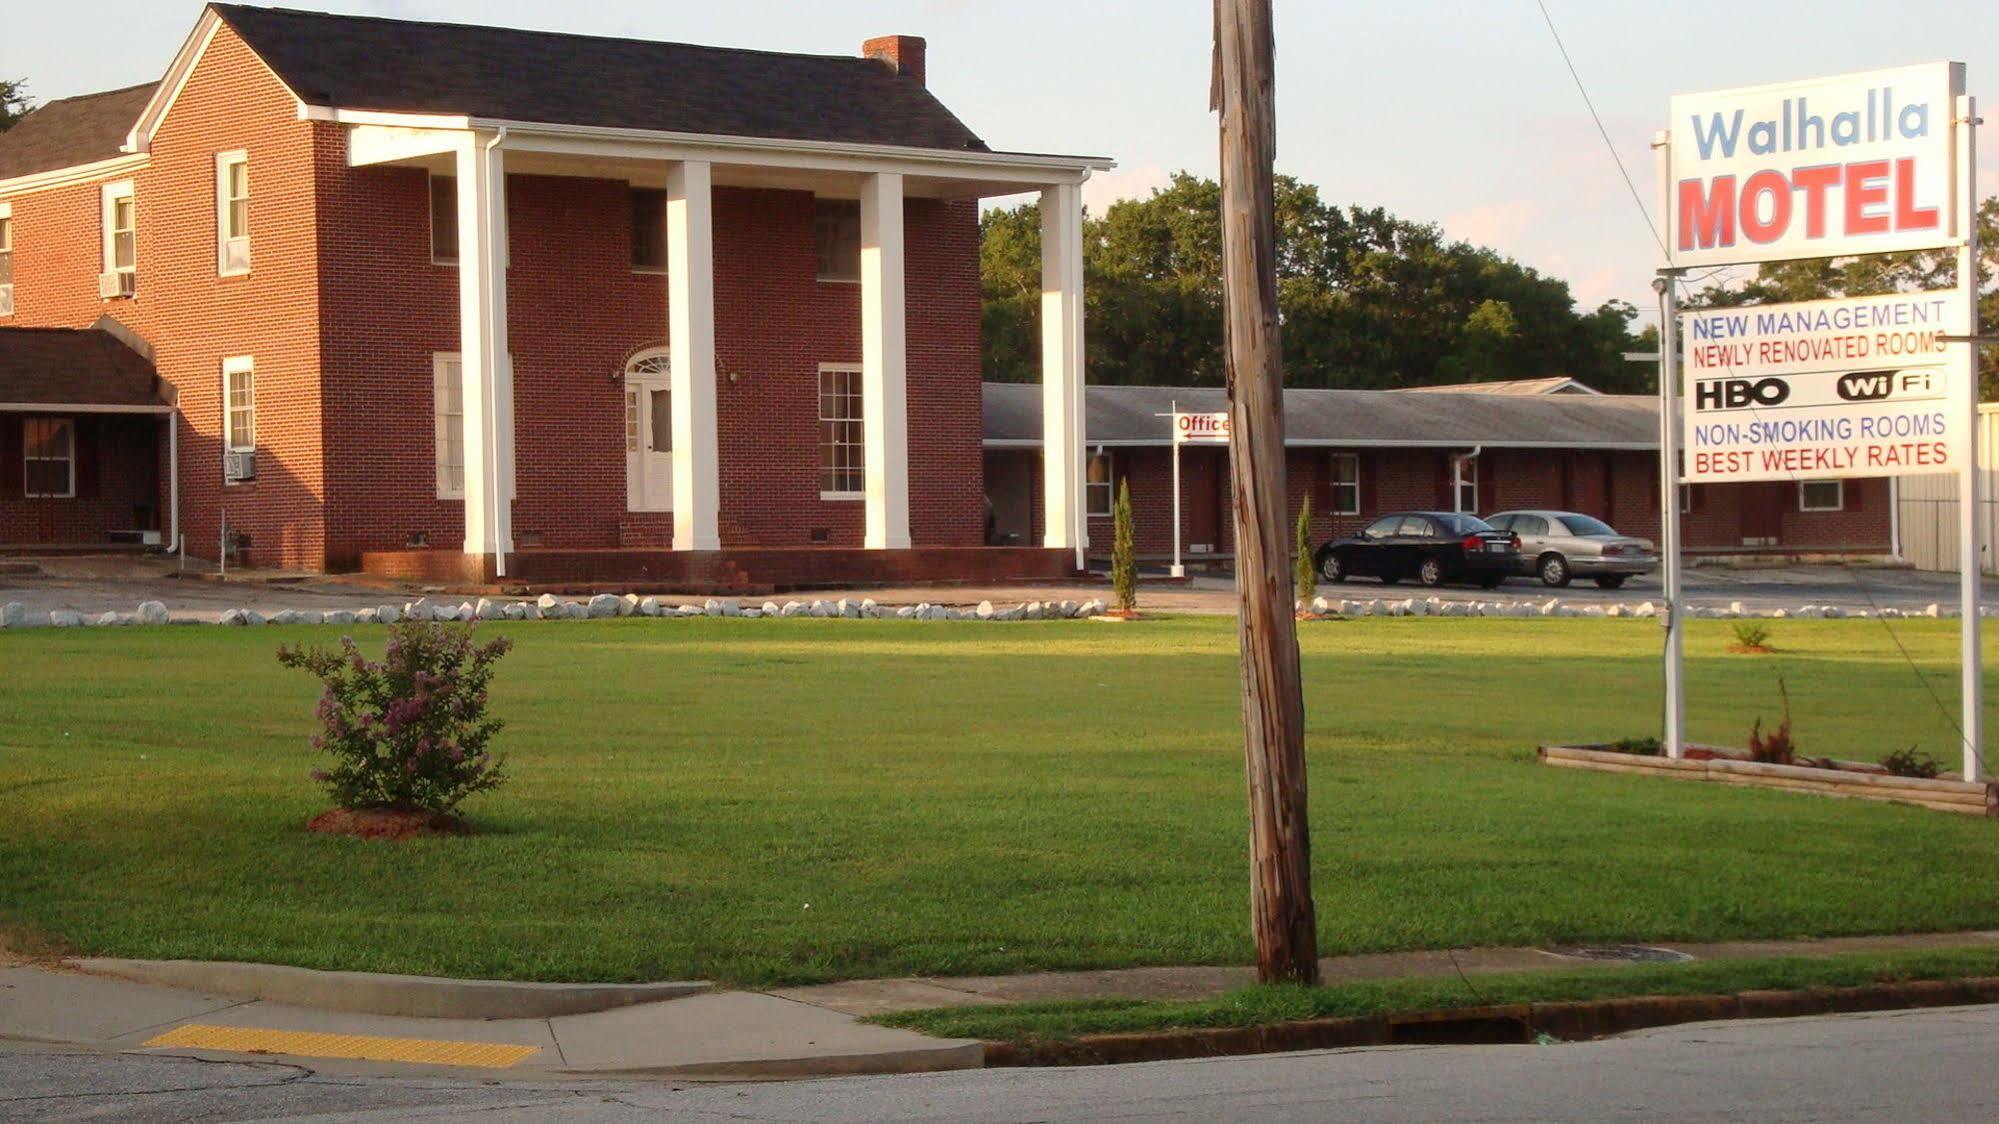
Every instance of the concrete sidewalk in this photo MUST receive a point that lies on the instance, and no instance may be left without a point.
(734, 1034)
(790, 1032)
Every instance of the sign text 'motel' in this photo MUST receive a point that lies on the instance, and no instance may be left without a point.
(1853, 165)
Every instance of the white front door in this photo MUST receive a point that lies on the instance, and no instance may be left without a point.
(648, 442)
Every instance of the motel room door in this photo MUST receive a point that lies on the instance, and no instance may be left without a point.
(648, 434)
(1204, 479)
(1762, 512)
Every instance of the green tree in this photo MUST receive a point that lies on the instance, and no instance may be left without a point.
(1305, 573)
(1124, 560)
(13, 101)
(1368, 300)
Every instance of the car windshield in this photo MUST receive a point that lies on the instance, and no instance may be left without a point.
(1584, 525)
(1463, 524)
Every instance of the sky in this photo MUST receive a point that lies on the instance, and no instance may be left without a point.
(1456, 112)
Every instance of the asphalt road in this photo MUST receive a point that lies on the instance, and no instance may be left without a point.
(1918, 1065)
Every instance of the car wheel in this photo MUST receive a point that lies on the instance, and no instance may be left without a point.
(1612, 581)
(1432, 572)
(1331, 568)
(1554, 570)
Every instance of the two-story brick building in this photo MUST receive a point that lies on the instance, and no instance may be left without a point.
(450, 300)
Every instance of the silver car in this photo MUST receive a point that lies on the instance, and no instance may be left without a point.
(1557, 546)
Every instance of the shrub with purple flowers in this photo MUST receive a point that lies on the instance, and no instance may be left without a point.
(408, 732)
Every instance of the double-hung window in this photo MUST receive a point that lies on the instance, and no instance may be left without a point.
(443, 220)
(836, 227)
(6, 259)
(232, 213)
(1097, 486)
(648, 207)
(1343, 476)
(49, 470)
(449, 397)
(239, 419)
(121, 242)
(842, 443)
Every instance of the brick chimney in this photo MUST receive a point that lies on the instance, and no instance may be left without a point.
(902, 53)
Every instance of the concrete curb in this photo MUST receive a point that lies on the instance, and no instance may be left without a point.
(1517, 1023)
(945, 1056)
(367, 993)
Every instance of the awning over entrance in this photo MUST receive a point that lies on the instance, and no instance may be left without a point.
(76, 370)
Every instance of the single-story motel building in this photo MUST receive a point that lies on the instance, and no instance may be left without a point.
(1477, 448)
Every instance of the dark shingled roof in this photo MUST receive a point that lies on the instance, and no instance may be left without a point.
(74, 367)
(72, 131)
(354, 62)
(1127, 415)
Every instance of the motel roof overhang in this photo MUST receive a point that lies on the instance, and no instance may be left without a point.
(1135, 417)
(76, 371)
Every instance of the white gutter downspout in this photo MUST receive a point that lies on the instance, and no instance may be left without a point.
(493, 427)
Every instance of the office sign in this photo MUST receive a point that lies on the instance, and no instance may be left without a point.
(1823, 389)
(1200, 429)
(1858, 164)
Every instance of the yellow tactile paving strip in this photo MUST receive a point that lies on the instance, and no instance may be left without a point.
(314, 1044)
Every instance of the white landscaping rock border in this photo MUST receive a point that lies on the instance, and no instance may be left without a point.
(1555, 607)
(550, 607)
(609, 605)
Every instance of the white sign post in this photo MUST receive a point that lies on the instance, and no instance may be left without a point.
(1191, 429)
(1868, 163)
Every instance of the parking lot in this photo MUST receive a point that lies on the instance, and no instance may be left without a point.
(98, 584)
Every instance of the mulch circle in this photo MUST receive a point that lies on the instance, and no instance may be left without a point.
(1750, 649)
(386, 823)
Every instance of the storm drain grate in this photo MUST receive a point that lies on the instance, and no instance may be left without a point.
(1622, 953)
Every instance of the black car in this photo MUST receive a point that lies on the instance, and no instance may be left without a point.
(1431, 546)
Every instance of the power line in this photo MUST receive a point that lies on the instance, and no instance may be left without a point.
(1601, 131)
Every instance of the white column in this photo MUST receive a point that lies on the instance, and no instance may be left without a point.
(884, 365)
(1062, 430)
(690, 289)
(486, 371)
(1964, 368)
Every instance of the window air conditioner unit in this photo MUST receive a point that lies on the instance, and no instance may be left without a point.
(236, 255)
(6, 300)
(117, 283)
(240, 464)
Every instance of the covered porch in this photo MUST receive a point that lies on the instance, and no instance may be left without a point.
(88, 448)
(678, 447)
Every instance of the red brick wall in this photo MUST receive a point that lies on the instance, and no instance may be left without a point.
(194, 318)
(1619, 487)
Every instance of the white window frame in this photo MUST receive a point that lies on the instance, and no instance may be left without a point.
(27, 490)
(113, 193)
(447, 378)
(1100, 496)
(859, 420)
(1461, 480)
(1838, 504)
(1336, 485)
(237, 365)
(232, 248)
(7, 255)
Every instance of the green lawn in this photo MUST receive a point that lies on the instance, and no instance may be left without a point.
(803, 800)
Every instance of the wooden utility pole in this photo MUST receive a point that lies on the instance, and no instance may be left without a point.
(1273, 700)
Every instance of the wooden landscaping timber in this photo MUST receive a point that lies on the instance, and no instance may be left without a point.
(1964, 798)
